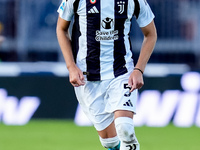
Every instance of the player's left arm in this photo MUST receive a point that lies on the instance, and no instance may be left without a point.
(150, 37)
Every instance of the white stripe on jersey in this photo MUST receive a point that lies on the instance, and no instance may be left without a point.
(106, 55)
(127, 27)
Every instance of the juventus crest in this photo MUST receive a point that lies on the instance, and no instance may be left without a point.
(121, 6)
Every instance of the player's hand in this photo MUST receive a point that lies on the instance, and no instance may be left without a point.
(76, 77)
(135, 80)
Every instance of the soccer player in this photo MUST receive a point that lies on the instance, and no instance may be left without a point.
(99, 58)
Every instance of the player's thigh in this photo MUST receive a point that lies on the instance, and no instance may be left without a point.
(119, 97)
(91, 99)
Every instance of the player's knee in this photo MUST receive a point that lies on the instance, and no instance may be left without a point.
(109, 142)
(125, 129)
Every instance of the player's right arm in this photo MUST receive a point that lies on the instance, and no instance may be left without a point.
(75, 74)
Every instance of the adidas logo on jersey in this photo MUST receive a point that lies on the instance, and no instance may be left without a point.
(93, 10)
(128, 103)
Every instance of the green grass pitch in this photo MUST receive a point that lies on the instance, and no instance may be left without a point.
(65, 135)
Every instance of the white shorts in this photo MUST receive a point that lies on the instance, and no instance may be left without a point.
(99, 99)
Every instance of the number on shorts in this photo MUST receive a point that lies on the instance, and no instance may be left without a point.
(126, 86)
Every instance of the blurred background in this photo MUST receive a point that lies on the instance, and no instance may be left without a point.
(34, 82)
(33, 75)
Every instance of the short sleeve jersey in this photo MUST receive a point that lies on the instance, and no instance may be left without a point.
(100, 35)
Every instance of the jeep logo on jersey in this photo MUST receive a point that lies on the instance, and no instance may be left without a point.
(107, 23)
(121, 6)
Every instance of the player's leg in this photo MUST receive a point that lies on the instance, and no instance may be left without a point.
(91, 99)
(108, 138)
(125, 130)
(123, 104)
(125, 133)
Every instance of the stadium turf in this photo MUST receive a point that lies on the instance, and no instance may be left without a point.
(64, 135)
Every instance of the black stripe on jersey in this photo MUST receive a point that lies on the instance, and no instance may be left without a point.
(76, 3)
(75, 31)
(93, 46)
(137, 9)
(119, 45)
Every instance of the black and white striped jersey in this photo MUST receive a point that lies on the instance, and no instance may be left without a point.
(100, 35)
